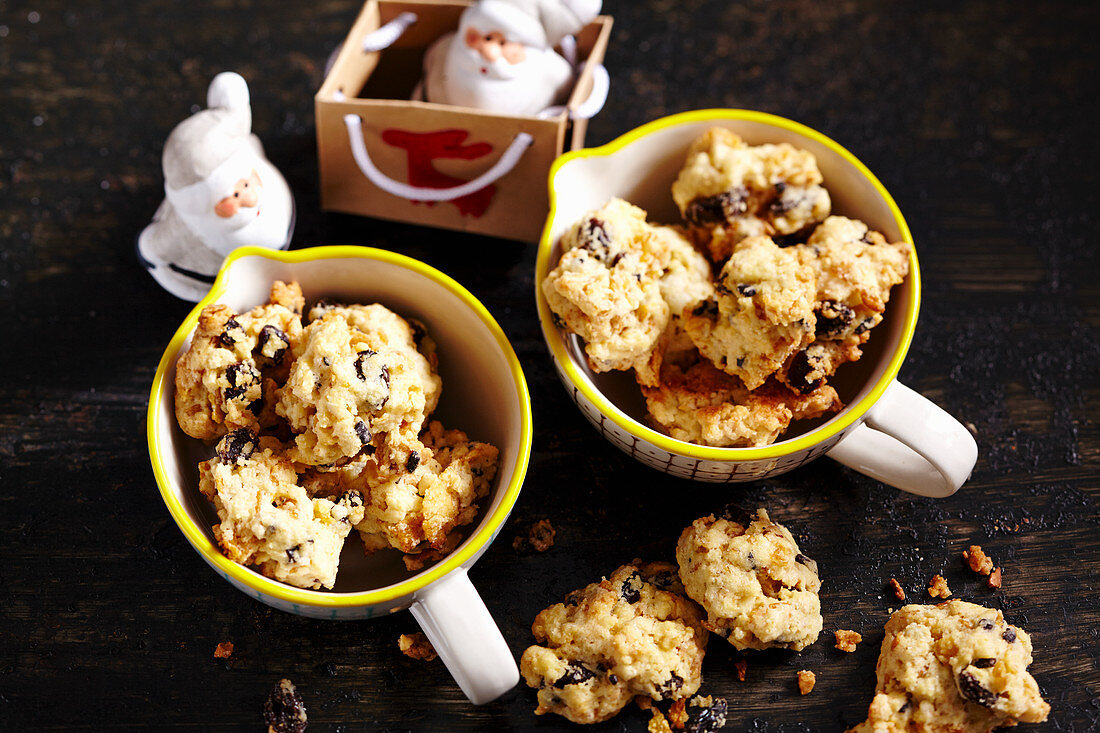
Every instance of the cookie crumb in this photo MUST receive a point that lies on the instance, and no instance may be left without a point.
(994, 579)
(977, 560)
(742, 666)
(643, 702)
(540, 538)
(677, 714)
(937, 588)
(658, 724)
(846, 641)
(416, 646)
(284, 711)
(224, 650)
(806, 681)
(895, 586)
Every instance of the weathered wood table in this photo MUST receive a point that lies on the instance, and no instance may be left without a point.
(979, 117)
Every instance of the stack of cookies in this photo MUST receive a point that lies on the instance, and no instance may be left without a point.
(734, 319)
(322, 427)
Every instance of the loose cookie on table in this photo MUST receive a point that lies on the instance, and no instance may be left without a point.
(953, 667)
(267, 519)
(228, 376)
(761, 313)
(728, 190)
(758, 589)
(615, 639)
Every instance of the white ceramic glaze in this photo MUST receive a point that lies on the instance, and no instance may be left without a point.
(484, 394)
(915, 445)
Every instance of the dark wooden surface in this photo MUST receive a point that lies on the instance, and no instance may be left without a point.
(980, 117)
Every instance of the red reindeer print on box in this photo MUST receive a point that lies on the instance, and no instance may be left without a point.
(424, 147)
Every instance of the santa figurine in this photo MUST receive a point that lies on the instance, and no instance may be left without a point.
(221, 192)
(502, 58)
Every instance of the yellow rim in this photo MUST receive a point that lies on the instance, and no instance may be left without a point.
(624, 421)
(203, 544)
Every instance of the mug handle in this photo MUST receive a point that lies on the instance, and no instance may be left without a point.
(910, 443)
(457, 623)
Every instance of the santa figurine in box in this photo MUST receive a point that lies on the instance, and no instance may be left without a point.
(220, 193)
(502, 58)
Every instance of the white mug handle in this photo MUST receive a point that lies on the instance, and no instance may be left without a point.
(458, 625)
(910, 443)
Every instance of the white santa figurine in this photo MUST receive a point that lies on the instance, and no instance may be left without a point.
(502, 58)
(221, 192)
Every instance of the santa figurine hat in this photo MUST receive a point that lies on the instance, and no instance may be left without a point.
(199, 145)
(536, 23)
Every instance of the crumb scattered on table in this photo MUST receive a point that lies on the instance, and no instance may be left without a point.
(806, 681)
(994, 579)
(416, 646)
(658, 723)
(846, 641)
(977, 560)
(677, 714)
(937, 588)
(742, 666)
(540, 538)
(224, 650)
(895, 586)
(284, 711)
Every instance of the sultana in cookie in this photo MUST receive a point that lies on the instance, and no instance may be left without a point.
(953, 667)
(631, 634)
(267, 519)
(758, 589)
(227, 378)
(728, 190)
(761, 313)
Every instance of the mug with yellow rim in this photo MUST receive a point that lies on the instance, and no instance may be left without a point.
(886, 430)
(484, 394)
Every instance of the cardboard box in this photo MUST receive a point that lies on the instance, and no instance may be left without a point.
(436, 146)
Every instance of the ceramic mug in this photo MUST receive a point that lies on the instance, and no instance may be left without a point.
(484, 394)
(887, 430)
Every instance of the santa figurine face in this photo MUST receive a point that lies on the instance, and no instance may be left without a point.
(492, 55)
(244, 201)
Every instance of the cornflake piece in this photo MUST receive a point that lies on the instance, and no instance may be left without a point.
(846, 640)
(224, 650)
(677, 713)
(899, 592)
(994, 580)
(977, 560)
(284, 711)
(416, 646)
(806, 681)
(657, 723)
(937, 588)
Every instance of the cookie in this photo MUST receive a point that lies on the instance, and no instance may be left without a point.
(350, 390)
(267, 520)
(758, 589)
(227, 378)
(615, 639)
(415, 492)
(605, 287)
(854, 268)
(761, 313)
(956, 666)
(685, 274)
(728, 191)
(695, 402)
